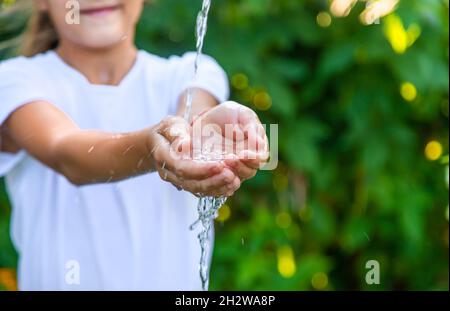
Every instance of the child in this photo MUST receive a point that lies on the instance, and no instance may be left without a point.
(85, 126)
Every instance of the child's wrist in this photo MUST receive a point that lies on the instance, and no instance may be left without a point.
(150, 146)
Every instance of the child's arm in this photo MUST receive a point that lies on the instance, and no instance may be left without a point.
(86, 157)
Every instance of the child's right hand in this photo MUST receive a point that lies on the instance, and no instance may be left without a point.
(170, 146)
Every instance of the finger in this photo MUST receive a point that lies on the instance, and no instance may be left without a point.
(228, 190)
(266, 144)
(165, 156)
(253, 159)
(217, 186)
(188, 185)
(241, 169)
(223, 191)
(195, 170)
(173, 128)
(177, 132)
(248, 119)
(255, 133)
(218, 183)
(161, 153)
(247, 116)
(253, 143)
(168, 176)
(256, 143)
(213, 183)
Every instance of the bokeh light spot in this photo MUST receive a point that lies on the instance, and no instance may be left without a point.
(323, 19)
(305, 214)
(408, 91)
(433, 150)
(286, 263)
(280, 182)
(283, 220)
(224, 213)
(396, 33)
(319, 281)
(262, 101)
(240, 81)
(400, 38)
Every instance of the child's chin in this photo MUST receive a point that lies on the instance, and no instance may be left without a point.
(104, 40)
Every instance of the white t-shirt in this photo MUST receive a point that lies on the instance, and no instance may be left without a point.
(129, 235)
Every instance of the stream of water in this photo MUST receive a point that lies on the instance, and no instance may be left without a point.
(207, 207)
(200, 32)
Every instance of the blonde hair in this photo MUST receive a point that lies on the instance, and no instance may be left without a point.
(39, 35)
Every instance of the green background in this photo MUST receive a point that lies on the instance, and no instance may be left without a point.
(354, 183)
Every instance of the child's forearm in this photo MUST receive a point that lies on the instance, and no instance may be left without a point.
(83, 157)
(86, 157)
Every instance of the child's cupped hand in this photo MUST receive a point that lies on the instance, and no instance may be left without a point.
(236, 132)
(171, 151)
(230, 132)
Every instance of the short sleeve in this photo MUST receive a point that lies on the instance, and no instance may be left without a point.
(210, 77)
(18, 86)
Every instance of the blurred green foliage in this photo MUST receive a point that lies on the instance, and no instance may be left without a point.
(355, 180)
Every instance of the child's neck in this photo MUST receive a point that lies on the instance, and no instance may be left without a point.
(100, 66)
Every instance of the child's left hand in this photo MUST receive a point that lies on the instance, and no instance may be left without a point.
(239, 134)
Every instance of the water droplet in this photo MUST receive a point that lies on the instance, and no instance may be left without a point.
(128, 149)
(141, 161)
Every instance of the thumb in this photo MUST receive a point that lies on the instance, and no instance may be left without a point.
(178, 133)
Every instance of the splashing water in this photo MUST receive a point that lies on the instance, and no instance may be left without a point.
(207, 207)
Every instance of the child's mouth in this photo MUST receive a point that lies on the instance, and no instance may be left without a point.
(100, 11)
